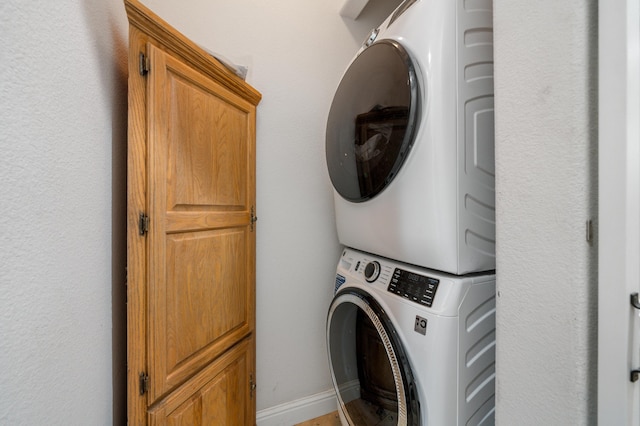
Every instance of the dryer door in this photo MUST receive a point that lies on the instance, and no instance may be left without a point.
(369, 367)
(372, 121)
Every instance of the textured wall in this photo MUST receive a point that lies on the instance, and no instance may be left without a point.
(546, 180)
(63, 121)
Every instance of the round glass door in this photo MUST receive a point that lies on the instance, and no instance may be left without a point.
(372, 121)
(370, 371)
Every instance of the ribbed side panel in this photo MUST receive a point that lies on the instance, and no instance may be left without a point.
(476, 394)
(476, 132)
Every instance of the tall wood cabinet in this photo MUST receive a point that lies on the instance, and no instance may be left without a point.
(190, 232)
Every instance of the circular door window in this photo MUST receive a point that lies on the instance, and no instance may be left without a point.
(370, 371)
(372, 121)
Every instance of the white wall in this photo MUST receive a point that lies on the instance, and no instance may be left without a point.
(296, 52)
(546, 180)
(63, 140)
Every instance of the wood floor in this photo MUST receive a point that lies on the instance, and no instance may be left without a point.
(331, 419)
(362, 413)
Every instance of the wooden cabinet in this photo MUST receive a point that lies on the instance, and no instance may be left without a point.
(214, 396)
(191, 236)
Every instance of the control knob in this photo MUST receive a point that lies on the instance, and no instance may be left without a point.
(372, 271)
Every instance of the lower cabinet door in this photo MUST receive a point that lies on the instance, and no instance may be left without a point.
(221, 394)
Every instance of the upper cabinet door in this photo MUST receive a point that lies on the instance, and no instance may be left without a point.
(201, 166)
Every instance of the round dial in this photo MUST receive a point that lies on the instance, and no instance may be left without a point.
(372, 271)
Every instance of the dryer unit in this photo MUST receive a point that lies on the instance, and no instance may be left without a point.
(410, 139)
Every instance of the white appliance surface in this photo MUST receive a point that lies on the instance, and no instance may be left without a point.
(438, 211)
(452, 360)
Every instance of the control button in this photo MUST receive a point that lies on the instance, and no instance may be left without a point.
(372, 271)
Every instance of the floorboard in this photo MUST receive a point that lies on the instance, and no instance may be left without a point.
(331, 419)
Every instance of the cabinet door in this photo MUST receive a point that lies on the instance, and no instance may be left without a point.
(201, 243)
(220, 395)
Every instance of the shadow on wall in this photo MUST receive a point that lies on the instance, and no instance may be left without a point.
(373, 14)
(107, 22)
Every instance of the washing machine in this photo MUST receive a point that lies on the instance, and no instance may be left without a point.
(411, 346)
(410, 139)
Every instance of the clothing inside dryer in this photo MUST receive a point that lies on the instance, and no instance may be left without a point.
(378, 143)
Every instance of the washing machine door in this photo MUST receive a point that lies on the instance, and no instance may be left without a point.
(369, 367)
(372, 121)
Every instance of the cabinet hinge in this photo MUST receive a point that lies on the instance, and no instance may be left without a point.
(143, 224)
(253, 218)
(143, 64)
(252, 386)
(144, 383)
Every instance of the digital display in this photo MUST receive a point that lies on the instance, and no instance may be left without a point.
(415, 287)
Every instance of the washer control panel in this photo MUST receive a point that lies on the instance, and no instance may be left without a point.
(415, 287)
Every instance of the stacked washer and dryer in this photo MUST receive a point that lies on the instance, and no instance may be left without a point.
(410, 153)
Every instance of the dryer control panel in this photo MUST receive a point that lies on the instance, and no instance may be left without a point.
(415, 287)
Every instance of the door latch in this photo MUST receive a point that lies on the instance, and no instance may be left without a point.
(635, 302)
(253, 219)
(252, 386)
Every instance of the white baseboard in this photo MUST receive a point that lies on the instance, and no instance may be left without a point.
(291, 413)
